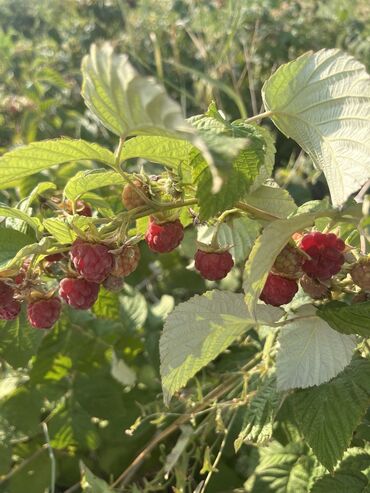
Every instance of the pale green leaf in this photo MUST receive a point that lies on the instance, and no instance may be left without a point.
(17, 259)
(121, 372)
(273, 200)
(198, 330)
(34, 222)
(37, 156)
(59, 230)
(322, 101)
(348, 319)
(181, 444)
(328, 415)
(85, 181)
(310, 351)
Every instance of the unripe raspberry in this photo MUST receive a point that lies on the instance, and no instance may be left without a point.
(92, 261)
(313, 287)
(278, 290)
(81, 208)
(43, 314)
(10, 311)
(6, 294)
(130, 198)
(289, 262)
(126, 262)
(326, 252)
(79, 293)
(113, 283)
(360, 274)
(163, 238)
(213, 265)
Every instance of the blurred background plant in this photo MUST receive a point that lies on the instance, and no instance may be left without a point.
(97, 383)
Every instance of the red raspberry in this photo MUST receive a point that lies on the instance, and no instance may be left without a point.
(6, 294)
(130, 198)
(326, 255)
(289, 262)
(163, 238)
(213, 265)
(10, 311)
(54, 257)
(113, 283)
(126, 262)
(313, 287)
(360, 274)
(43, 314)
(92, 261)
(78, 293)
(278, 290)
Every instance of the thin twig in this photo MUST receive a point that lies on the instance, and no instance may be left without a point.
(51, 457)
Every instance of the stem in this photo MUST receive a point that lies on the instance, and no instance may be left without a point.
(259, 213)
(117, 154)
(265, 114)
(51, 456)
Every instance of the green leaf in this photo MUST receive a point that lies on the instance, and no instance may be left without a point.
(260, 413)
(32, 249)
(107, 305)
(121, 372)
(91, 483)
(35, 157)
(167, 151)
(310, 352)
(322, 101)
(328, 415)
(198, 330)
(272, 199)
(59, 230)
(34, 222)
(348, 319)
(22, 409)
(11, 242)
(267, 166)
(85, 181)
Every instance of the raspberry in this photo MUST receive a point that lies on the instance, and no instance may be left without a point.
(43, 314)
(113, 283)
(163, 238)
(326, 255)
(81, 208)
(6, 294)
(10, 311)
(93, 261)
(360, 297)
(278, 290)
(289, 262)
(313, 287)
(213, 265)
(130, 198)
(78, 293)
(360, 274)
(54, 257)
(126, 262)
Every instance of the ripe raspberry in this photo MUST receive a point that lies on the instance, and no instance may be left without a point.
(54, 257)
(113, 283)
(313, 287)
(326, 255)
(213, 265)
(78, 293)
(278, 290)
(92, 261)
(126, 262)
(6, 294)
(360, 274)
(81, 208)
(130, 198)
(10, 311)
(43, 314)
(163, 238)
(289, 262)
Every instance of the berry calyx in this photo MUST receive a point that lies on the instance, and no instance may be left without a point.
(42, 314)
(92, 261)
(360, 274)
(130, 198)
(326, 255)
(163, 238)
(289, 262)
(213, 265)
(126, 262)
(78, 293)
(10, 311)
(6, 294)
(113, 283)
(278, 290)
(313, 287)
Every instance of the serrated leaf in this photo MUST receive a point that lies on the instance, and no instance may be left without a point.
(34, 222)
(273, 200)
(85, 181)
(328, 415)
(91, 483)
(322, 101)
(310, 352)
(37, 156)
(59, 230)
(11, 242)
(199, 330)
(267, 166)
(348, 319)
(107, 305)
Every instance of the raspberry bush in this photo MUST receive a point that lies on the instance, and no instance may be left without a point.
(259, 299)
